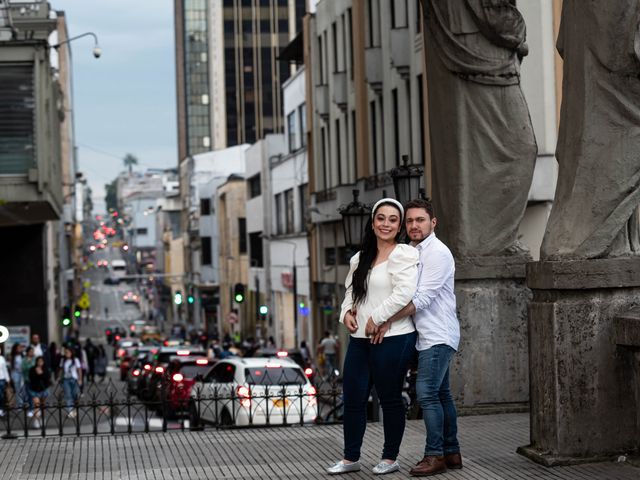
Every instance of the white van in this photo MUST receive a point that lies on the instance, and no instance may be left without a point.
(118, 268)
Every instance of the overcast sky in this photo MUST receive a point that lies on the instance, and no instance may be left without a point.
(125, 100)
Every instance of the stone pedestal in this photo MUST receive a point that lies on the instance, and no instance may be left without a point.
(490, 372)
(584, 403)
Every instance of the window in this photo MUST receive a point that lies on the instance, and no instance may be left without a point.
(291, 130)
(302, 115)
(396, 127)
(255, 249)
(279, 216)
(141, 231)
(206, 250)
(374, 136)
(205, 206)
(421, 116)
(255, 189)
(288, 203)
(338, 151)
(242, 232)
(303, 192)
(344, 254)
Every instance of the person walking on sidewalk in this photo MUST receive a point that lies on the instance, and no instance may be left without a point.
(382, 279)
(16, 373)
(39, 381)
(434, 313)
(71, 379)
(329, 349)
(5, 379)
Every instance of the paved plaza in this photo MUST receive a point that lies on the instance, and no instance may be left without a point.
(489, 443)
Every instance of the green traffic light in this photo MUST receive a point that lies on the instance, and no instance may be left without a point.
(190, 299)
(77, 313)
(264, 309)
(66, 322)
(177, 298)
(239, 298)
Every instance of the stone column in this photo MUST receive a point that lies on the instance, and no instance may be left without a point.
(584, 402)
(490, 371)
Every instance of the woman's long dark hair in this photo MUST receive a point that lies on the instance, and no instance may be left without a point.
(368, 254)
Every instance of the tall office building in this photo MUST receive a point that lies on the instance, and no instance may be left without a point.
(228, 74)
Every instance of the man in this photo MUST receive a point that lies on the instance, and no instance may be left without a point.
(434, 312)
(40, 350)
(329, 348)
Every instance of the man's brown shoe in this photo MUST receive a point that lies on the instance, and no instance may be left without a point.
(429, 465)
(453, 461)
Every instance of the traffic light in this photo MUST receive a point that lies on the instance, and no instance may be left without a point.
(191, 299)
(264, 310)
(177, 298)
(238, 293)
(66, 316)
(76, 312)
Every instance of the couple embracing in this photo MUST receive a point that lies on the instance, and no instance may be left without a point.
(388, 284)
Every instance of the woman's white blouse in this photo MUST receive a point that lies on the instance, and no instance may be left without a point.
(390, 287)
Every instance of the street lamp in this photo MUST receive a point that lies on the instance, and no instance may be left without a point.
(406, 180)
(354, 219)
(97, 51)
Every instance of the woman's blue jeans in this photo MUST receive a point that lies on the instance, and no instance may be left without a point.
(385, 366)
(71, 391)
(434, 396)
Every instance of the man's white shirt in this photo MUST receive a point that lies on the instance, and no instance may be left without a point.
(435, 300)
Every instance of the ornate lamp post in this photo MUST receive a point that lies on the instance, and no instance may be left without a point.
(354, 219)
(406, 180)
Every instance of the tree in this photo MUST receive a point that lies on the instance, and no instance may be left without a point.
(129, 161)
(111, 199)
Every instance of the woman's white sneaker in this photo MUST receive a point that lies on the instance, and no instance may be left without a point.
(342, 467)
(384, 467)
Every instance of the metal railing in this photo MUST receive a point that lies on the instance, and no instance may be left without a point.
(161, 405)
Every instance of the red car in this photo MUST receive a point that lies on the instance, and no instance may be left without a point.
(180, 376)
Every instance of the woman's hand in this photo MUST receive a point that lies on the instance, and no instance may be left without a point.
(378, 335)
(350, 322)
(370, 328)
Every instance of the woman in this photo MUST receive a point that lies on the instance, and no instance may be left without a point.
(71, 378)
(381, 281)
(28, 361)
(16, 373)
(38, 386)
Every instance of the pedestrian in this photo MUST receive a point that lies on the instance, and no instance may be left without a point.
(54, 357)
(91, 354)
(328, 350)
(434, 312)
(40, 350)
(39, 381)
(71, 372)
(28, 361)
(271, 343)
(16, 373)
(101, 363)
(306, 353)
(5, 379)
(381, 281)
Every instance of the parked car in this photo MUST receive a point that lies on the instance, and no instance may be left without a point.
(293, 354)
(253, 391)
(153, 376)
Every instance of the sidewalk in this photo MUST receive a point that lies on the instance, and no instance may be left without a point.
(488, 443)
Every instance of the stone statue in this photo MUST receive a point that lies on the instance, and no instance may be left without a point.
(482, 145)
(595, 212)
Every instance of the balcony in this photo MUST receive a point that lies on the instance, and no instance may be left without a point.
(340, 90)
(322, 101)
(401, 51)
(373, 68)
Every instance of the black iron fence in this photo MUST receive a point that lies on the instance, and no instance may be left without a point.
(112, 408)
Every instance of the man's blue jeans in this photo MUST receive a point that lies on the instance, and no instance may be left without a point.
(385, 366)
(434, 396)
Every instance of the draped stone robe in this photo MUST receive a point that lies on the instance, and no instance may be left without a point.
(595, 213)
(482, 144)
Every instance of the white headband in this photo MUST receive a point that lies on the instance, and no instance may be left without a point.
(388, 200)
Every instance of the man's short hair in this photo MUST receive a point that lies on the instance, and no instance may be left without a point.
(424, 203)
